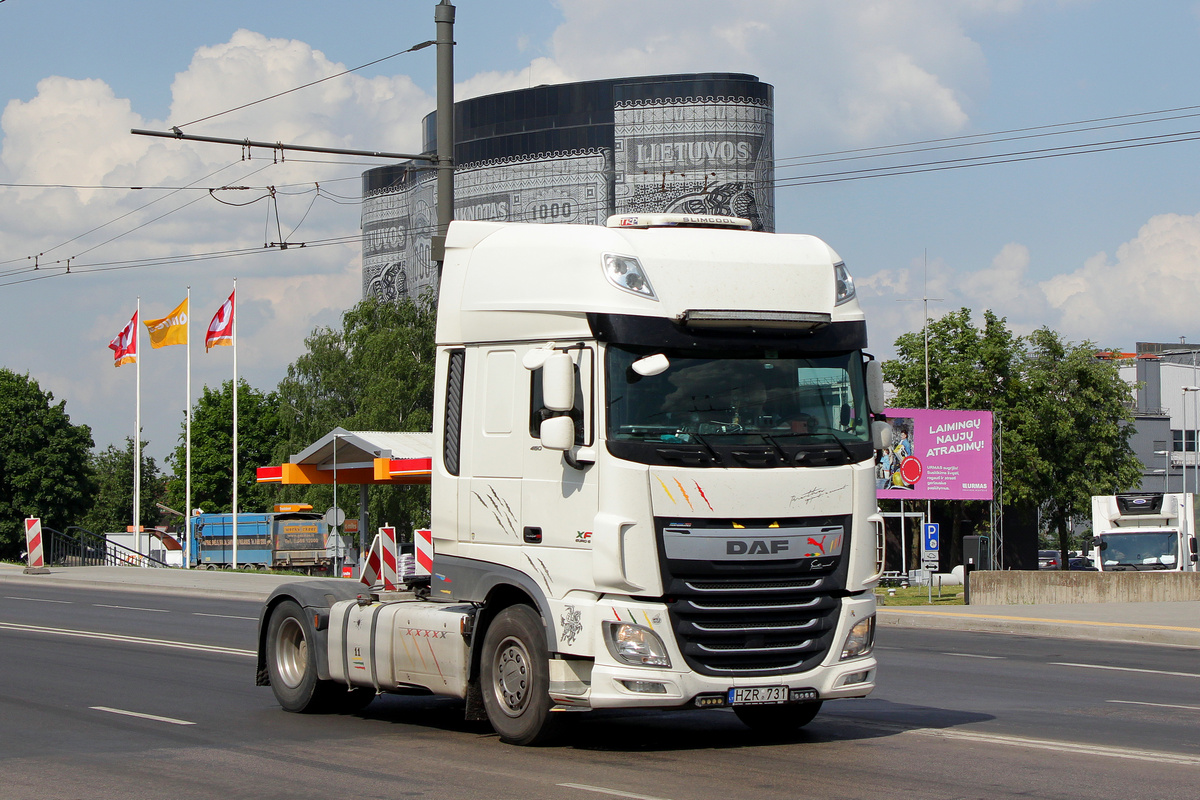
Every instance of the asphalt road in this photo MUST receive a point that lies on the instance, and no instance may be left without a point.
(956, 715)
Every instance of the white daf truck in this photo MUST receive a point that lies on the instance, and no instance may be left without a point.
(1144, 532)
(652, 487)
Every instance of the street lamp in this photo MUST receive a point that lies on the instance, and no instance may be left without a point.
(1184, 432)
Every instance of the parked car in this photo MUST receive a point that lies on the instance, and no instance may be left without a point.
(1081, 563)
(1048, 559)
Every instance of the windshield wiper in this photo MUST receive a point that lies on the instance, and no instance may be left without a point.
(771, 441)
(707, 446)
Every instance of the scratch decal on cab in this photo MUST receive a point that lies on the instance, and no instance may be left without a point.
(703, 496)
(661, 483)
(683, 492)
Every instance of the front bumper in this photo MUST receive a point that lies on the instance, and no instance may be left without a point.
(607, 683)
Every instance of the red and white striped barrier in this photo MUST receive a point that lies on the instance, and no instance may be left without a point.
(387, 555)
(36, 562)
(424, 548)
(370, 570)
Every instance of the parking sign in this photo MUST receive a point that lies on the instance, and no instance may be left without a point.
(930, 530)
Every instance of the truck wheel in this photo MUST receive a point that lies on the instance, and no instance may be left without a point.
(516, 677)
(291, 662)
(778, 720)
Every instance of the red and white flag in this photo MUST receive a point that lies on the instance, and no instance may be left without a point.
(220, 330)
(124, 346)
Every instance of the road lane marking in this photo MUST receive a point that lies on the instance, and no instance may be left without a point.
(132, 608)
(1155, 705)
(1157, 756)
(38, 600)
(1126, 669)
(1061, 747)
(973, 655)
(613, 792)
(965, 615)
(113, 637)
(223, 616)
(154, 717)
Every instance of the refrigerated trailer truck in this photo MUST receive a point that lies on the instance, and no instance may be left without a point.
(652, 487)
(1144, 532)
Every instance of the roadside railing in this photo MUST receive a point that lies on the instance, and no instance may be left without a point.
(79, 547)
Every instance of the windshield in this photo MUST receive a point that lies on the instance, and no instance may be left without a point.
(737, 397)
(1142, 551)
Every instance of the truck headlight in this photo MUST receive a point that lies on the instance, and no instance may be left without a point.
(635, 645)
(861, 639)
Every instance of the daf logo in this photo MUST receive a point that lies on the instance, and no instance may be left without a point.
(755, 547)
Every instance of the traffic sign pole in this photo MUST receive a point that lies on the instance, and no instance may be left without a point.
(930, 542)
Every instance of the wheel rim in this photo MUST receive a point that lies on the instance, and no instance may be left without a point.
(291, 652)
(511, 669)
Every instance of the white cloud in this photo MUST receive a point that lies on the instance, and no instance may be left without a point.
(1148, 291)
(848, 72)
(540, 71)
(78, 132)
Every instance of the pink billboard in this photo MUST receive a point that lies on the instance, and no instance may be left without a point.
(936, 455)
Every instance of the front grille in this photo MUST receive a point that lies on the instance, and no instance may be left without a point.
(755, 618)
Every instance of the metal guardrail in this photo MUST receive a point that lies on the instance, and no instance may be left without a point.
(79, 547)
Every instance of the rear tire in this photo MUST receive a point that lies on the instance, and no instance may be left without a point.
(515, 677)
(778, 720)
(292, 662)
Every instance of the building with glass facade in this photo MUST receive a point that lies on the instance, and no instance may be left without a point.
(579, 152)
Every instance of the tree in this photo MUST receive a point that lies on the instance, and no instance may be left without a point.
(1071, 434)
(43, 461)
(375, 373)
(112, 475)
(212, 450)
(1065, 414)
(969, 368)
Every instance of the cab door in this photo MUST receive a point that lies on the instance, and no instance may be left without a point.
(559, 500)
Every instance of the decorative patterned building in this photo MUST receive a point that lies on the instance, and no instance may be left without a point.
(578, 152)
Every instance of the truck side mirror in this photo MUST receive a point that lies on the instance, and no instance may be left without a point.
(881, 435)
(650, 366)
(557, 433)
(558, 382)
(874, 377)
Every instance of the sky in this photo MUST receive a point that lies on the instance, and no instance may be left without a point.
(1101, 246)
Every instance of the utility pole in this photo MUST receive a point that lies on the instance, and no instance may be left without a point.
(443, 16)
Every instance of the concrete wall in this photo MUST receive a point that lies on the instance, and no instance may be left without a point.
(1020, 587)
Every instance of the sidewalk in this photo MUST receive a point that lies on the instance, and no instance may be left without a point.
(1156, 623)
(189, 582)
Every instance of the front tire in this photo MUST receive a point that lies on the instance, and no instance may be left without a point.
(778, 720)
(515, 677)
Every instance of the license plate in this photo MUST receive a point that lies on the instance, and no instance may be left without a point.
(757, 695)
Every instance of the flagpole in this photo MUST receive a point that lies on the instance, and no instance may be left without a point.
(235, 427)
(187, 415)
(137, 432)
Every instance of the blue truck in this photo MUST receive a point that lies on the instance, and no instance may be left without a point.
(290, 537)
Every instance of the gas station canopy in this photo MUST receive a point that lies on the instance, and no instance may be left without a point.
(358, 457)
